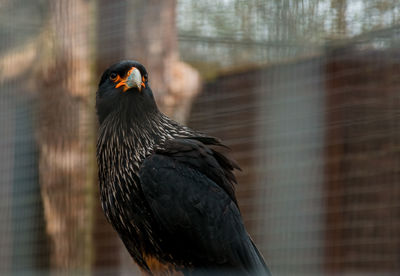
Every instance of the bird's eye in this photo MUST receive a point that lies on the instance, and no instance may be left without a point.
(113, 76)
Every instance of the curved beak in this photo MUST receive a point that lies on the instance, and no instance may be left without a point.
(132, 79)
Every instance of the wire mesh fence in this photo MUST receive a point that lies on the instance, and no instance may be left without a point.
(305, 93)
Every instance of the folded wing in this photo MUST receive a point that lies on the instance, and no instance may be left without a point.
(190, 189)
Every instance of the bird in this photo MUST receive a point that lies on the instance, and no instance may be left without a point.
(167, 189)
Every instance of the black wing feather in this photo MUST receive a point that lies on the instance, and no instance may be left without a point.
(189, 188)
(209, 162)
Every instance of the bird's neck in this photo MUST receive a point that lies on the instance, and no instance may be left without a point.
(136, 137)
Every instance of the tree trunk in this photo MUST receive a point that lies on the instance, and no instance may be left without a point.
(152, 40)
(65, 135)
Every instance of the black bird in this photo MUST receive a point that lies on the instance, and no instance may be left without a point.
(164, 187)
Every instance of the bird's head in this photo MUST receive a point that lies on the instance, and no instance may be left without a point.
(124, 86)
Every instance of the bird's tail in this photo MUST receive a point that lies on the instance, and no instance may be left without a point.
(252, 264)
(261, 267)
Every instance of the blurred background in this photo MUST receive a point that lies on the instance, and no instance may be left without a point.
(306, 93)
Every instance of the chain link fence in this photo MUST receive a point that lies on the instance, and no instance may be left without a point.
(309, 109)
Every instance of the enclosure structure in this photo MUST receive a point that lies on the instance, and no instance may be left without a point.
(305, 95)
(317, 140)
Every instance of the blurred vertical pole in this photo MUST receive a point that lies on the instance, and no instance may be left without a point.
(64, 132)
(111, 17)
(111, 29)
(293, 140)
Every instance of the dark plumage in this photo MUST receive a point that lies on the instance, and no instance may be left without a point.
(164, 187)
